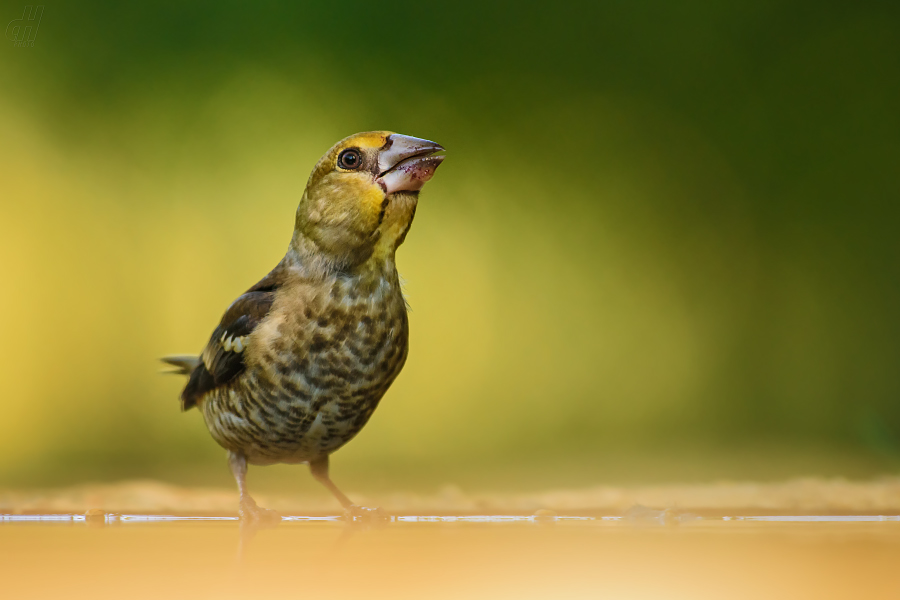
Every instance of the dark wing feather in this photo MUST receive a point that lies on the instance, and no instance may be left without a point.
(218, 365)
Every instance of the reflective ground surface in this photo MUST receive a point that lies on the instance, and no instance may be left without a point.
(642, 553)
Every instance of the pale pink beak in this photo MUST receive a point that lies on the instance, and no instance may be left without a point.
(406, 163)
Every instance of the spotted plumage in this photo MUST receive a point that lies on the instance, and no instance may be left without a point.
(300, 361)
(321, 363)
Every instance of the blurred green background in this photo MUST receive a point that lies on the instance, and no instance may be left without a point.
(663, 245)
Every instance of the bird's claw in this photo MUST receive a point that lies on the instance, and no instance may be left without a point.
(364, 514)
(251, 513)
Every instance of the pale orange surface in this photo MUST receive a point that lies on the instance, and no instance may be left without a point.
(681, 546)
(698, 560)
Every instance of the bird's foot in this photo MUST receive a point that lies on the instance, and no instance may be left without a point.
(364, 514)
(254, 514)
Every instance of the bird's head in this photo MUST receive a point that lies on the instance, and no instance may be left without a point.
(361, 196)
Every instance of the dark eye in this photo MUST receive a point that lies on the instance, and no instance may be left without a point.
(350, 159)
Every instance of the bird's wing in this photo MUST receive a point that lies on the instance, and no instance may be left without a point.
(223, 358)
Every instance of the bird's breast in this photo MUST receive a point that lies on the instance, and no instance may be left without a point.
(322, 362)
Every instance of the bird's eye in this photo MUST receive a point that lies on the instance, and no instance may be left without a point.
(350, 159)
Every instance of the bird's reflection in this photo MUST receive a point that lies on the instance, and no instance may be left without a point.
(353, 522)
(248, 528)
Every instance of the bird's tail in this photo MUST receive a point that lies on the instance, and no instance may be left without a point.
(184, 364)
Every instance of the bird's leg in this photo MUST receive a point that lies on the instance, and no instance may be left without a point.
(319, 469)
(248, 509)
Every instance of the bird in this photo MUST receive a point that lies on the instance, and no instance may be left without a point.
(299, 361)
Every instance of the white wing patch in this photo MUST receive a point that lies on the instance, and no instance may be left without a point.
(233, 344)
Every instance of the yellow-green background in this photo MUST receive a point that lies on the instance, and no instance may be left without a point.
(663, 245)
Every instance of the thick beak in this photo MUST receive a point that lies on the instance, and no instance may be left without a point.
(405, 163)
